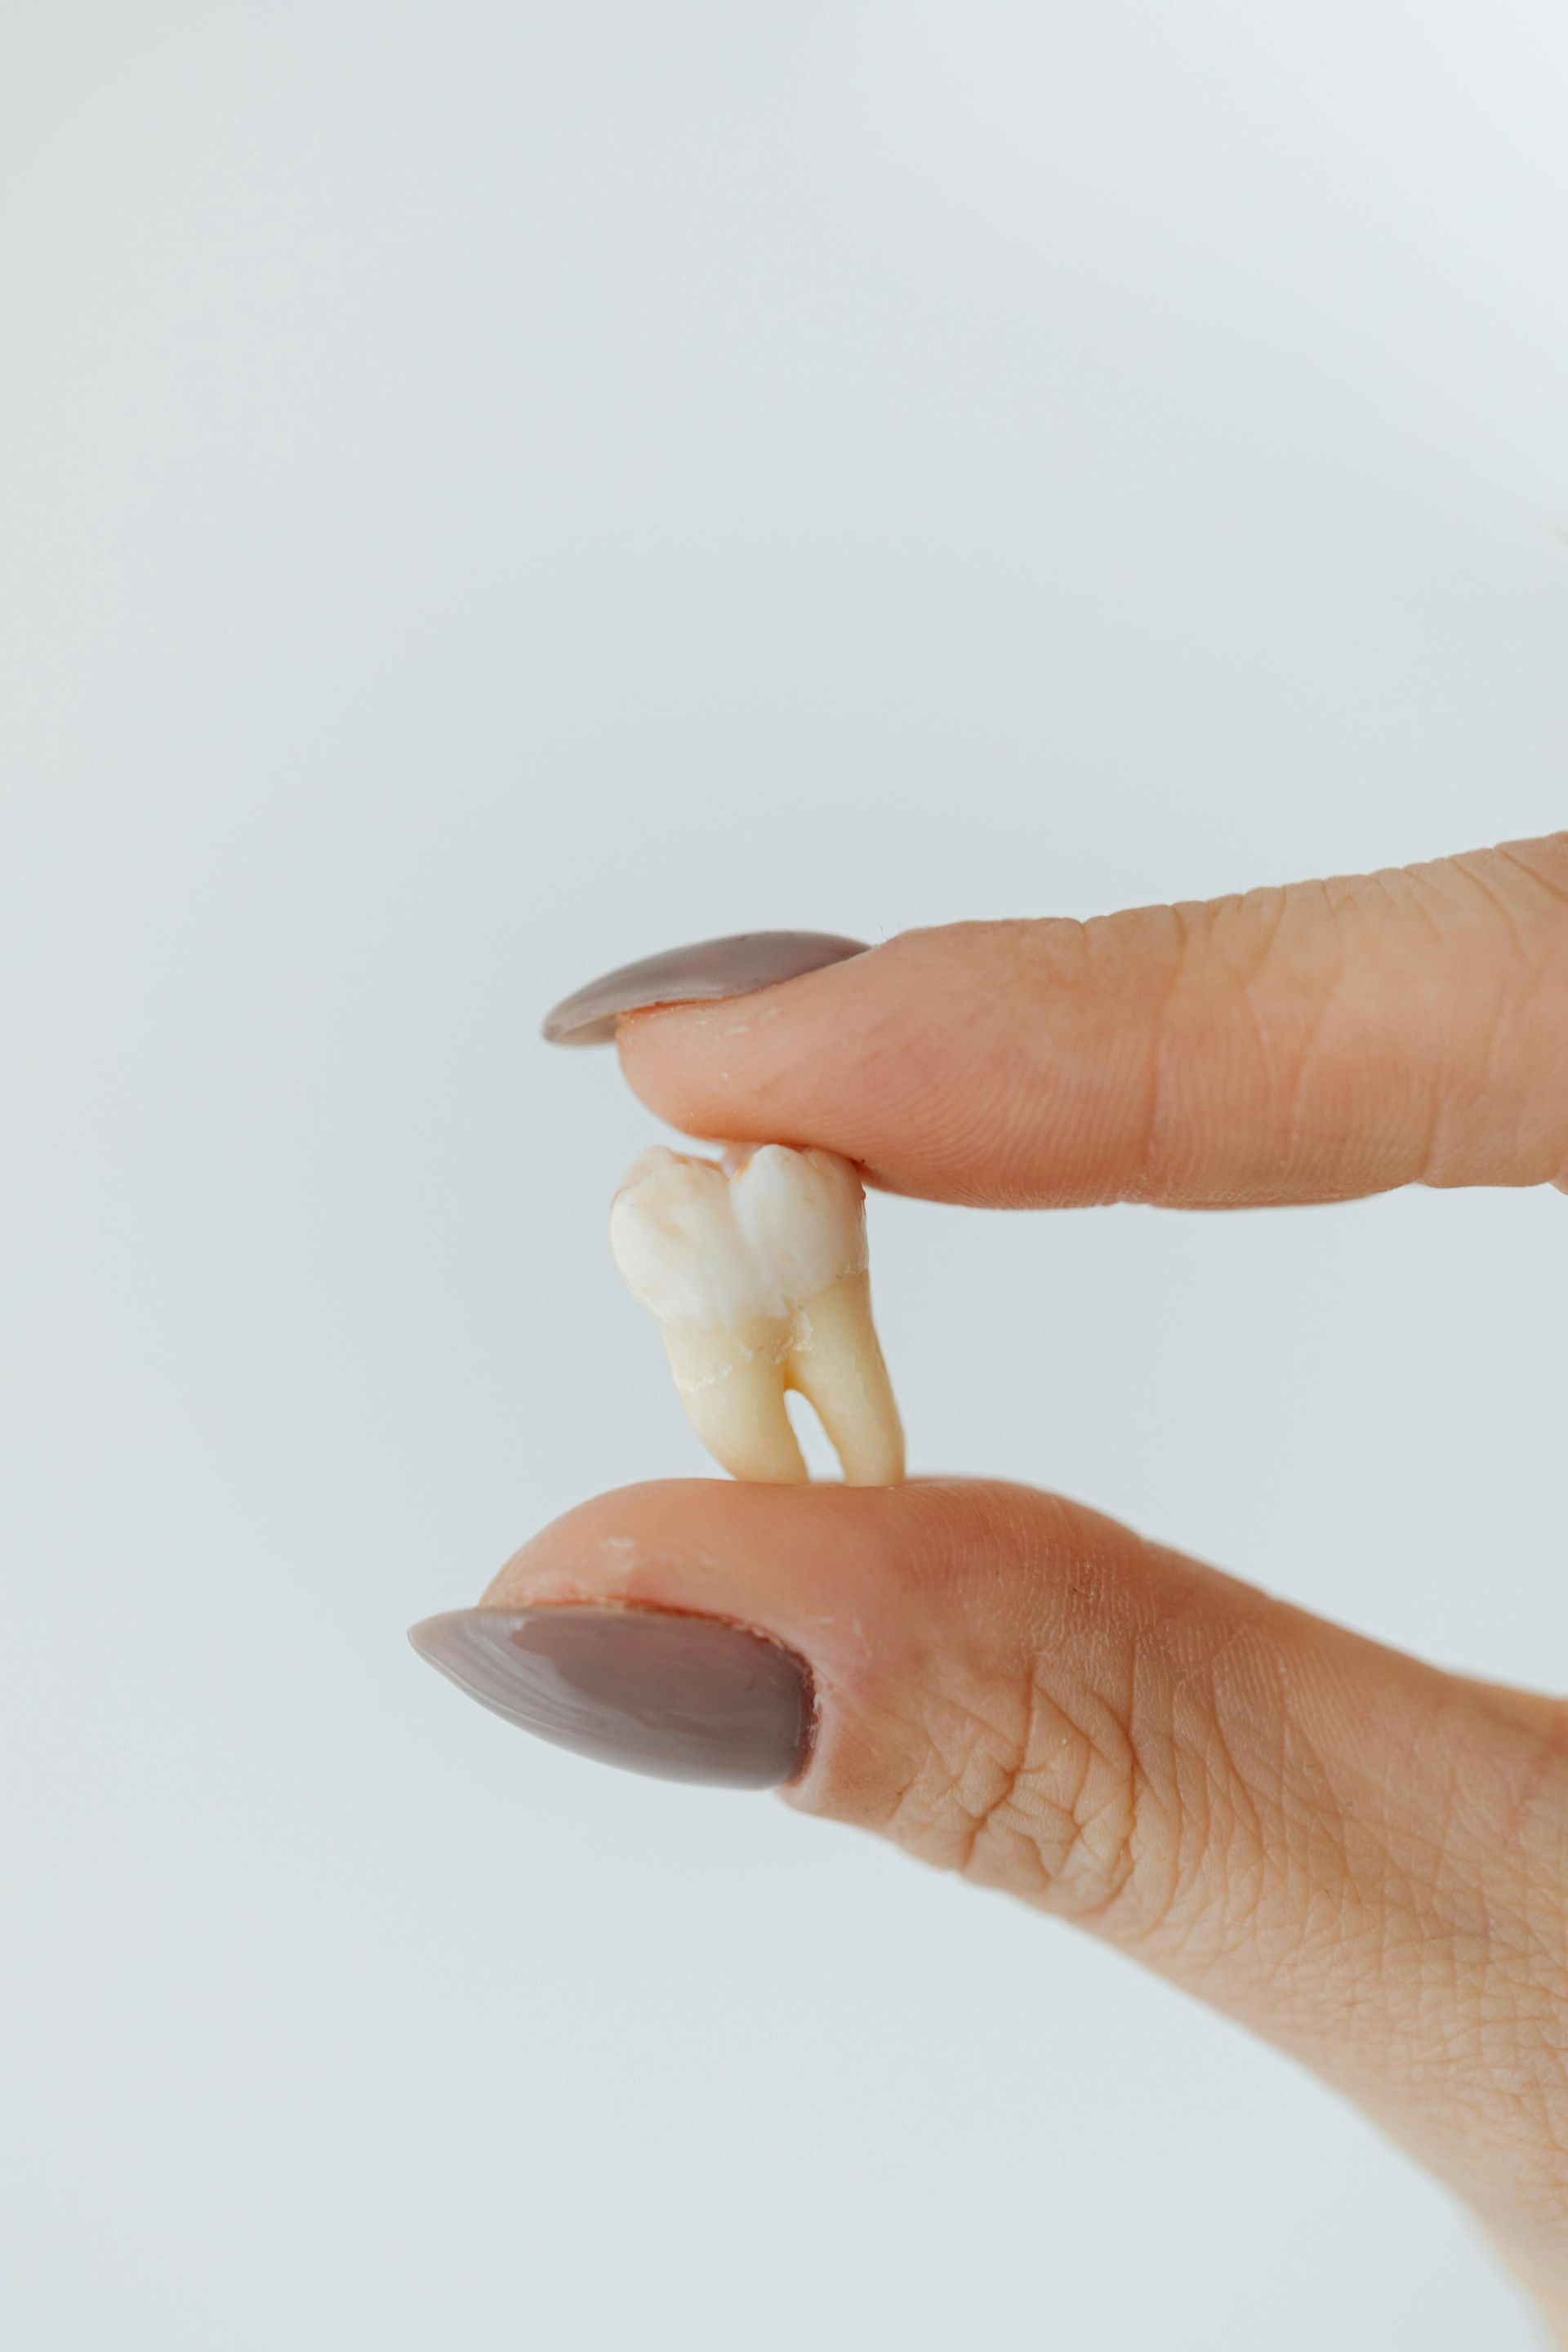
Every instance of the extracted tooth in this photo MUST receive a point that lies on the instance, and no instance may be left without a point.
(756, 1275)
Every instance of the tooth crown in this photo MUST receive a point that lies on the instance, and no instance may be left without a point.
(709, 1251)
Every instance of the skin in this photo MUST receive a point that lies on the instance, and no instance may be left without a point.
(1362, 1858)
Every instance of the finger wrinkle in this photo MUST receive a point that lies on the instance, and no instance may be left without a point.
(1545, 883)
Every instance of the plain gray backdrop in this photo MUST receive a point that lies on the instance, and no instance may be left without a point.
(491, 490)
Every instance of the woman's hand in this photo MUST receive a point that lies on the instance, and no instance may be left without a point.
(1363, 1858)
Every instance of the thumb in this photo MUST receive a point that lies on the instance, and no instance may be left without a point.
(1359, 1856)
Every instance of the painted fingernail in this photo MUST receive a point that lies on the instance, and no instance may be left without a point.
(683, 1698)
(708, 969)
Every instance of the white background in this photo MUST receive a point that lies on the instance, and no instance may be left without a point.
(491, 491)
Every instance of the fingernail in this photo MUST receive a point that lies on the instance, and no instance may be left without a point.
(684, 1698)
(708, 969)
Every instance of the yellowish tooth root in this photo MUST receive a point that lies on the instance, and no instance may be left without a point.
(835, 1362)
(756, 1275)
(734, 1400)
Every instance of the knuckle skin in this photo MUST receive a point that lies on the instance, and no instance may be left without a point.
(1106, 1797)
(1407, 1025)
(1360, 1857)
(1389, 1901)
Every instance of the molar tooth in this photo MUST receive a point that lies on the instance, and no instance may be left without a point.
(755, 1274)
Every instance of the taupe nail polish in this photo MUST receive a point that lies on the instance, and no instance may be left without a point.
(651, 1690)
(704, 971)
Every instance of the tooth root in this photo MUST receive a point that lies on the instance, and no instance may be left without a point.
(835, 1362)
(734, 1394)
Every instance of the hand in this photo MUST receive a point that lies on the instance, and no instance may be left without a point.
(1363, 1858)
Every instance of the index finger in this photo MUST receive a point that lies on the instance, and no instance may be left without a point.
(1313, 1042)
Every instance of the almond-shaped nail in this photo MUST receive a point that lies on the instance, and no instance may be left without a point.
(651, 1690)
(702, 972)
